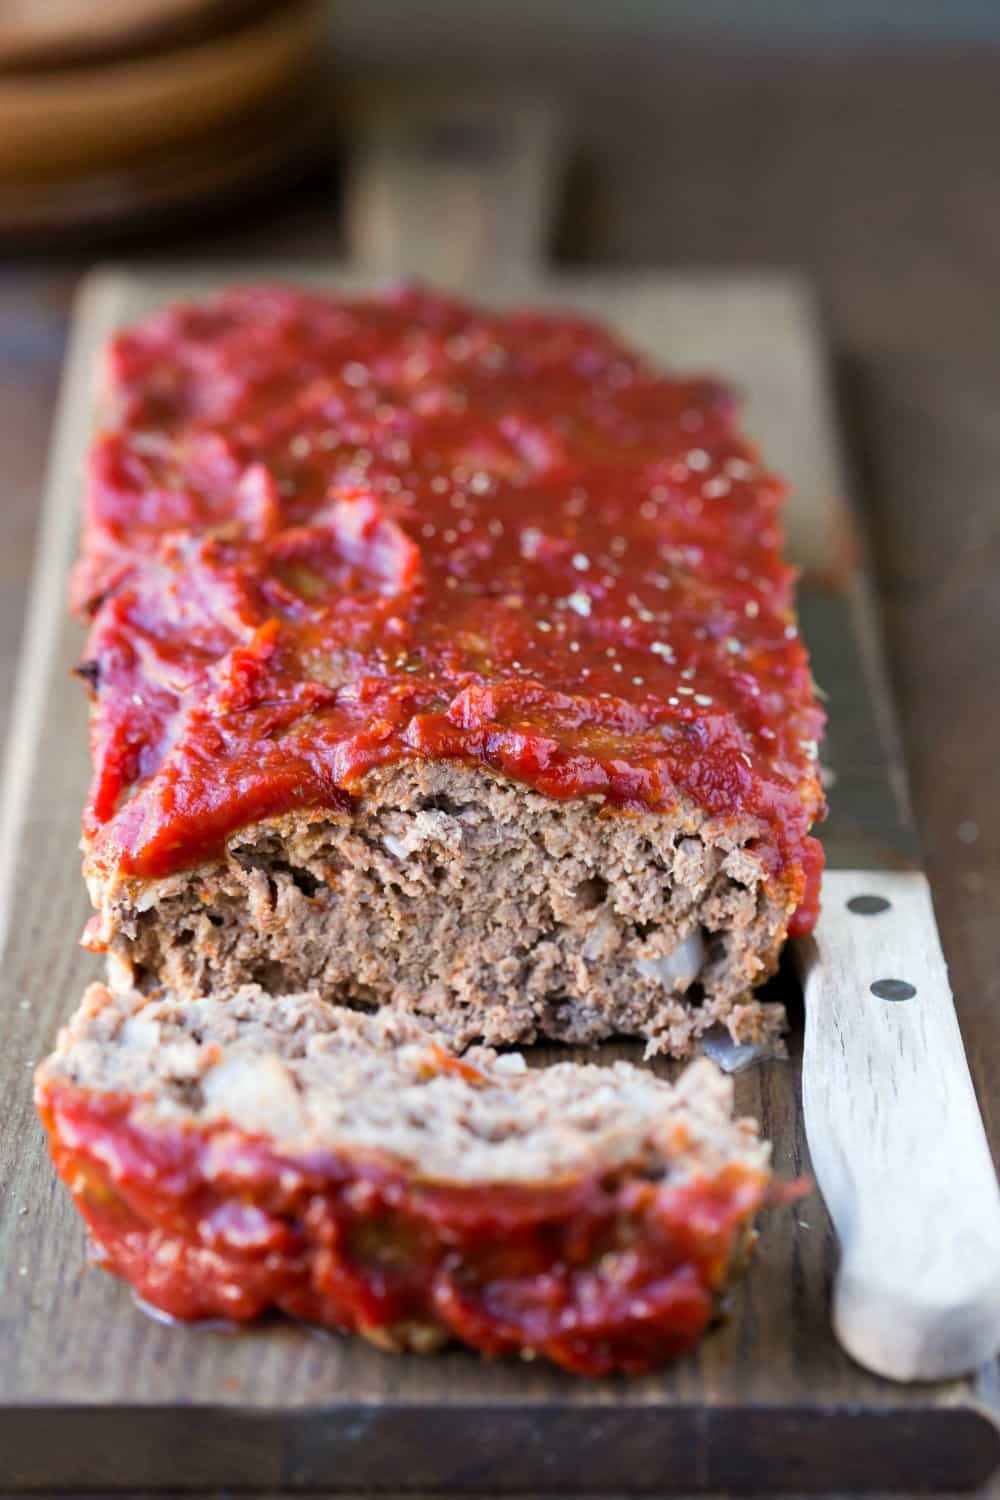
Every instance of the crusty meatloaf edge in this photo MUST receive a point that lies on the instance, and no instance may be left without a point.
(231, 1156)
(492, 910)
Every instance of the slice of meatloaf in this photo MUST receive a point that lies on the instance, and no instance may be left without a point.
(234, 1156)
(443, 657)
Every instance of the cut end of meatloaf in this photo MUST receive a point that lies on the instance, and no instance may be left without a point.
(493, 911)
(235, 1155)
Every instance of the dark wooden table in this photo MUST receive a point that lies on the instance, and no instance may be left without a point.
(875, 170)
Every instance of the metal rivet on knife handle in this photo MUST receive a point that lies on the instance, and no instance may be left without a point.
(868, 906)
(893, 989)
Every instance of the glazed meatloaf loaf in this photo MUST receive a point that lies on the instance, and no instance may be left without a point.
(445, 659)
(234, 1155)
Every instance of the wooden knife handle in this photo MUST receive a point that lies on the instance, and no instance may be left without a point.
(895, 1134)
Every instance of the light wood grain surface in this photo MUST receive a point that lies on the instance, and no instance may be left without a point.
(450, 184)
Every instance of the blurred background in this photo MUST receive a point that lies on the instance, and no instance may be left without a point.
(858, 143)
(857, 139)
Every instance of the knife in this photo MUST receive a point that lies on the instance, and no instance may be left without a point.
(458, 188)
(894, 1130)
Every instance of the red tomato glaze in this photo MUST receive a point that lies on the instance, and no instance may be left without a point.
(322, 536)
(599, 1274)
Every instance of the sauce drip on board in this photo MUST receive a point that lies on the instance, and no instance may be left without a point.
(322, 536)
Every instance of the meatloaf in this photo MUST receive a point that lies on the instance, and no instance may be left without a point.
(440, 658)
(231, 1156)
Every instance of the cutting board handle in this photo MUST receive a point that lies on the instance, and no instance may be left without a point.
(447, 187)
(895, 1134)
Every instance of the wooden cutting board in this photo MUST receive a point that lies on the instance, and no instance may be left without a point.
(95, 1394)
